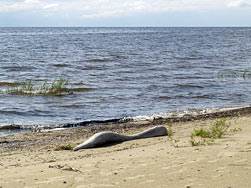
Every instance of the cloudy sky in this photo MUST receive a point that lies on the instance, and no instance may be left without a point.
(125, 13)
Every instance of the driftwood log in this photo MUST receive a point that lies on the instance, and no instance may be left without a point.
(108, 137)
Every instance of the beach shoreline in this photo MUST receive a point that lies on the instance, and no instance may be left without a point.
(75, 131)
(34, 160)
(175, 116)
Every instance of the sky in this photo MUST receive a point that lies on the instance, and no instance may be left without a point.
(124, 13)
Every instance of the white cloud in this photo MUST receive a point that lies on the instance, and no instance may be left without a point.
(108, 8)
(52, 5)
(240, 3)
(32, 1)
(37, 5)
(101, 14)
(87, 9)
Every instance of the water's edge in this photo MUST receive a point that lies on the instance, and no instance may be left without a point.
(182, 116)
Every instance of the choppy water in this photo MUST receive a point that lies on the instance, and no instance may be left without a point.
(131, 71)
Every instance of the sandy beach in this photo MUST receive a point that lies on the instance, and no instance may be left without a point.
(34, 160)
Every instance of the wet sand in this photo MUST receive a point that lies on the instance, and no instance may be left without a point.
(32, 160)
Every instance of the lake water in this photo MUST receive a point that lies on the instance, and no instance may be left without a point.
(129, 71)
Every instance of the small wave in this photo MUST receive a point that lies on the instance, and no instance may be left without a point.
(186, 115)
(17, 68)
(60, 65)
(96, 60)
(165, 97)
(119, 57)
(186, 86)
(77, 83)
(204, 96)
(72, 106)
(189, 58)
(12, 112)
(193, 114)
(93, 122)
(43, 128)
(11, 127)
(12, 84)
(80, 89)
(180, 77)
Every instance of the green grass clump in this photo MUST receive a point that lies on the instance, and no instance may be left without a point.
(202, 133)
(235, 129)
(218, 129)
(57, 88)
(64, 147)
(195, 142)
(173, 141)
(169, 130)
(27, 134)
(12, 84)
(28, 86)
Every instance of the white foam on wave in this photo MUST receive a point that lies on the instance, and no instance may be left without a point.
(4, 131)
(180, 114)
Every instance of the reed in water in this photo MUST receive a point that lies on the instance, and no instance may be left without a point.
(57, 88)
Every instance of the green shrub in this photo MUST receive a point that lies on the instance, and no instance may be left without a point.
(202, 133)
(195, 142)
(169, 130)
(218, 129)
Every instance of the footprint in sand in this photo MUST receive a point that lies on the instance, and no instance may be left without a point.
(55, 179)
(241, 161)
(135, 177)
(166, 168)
(95, 185)
(146, 182)
(213, 161)
(221, 171)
